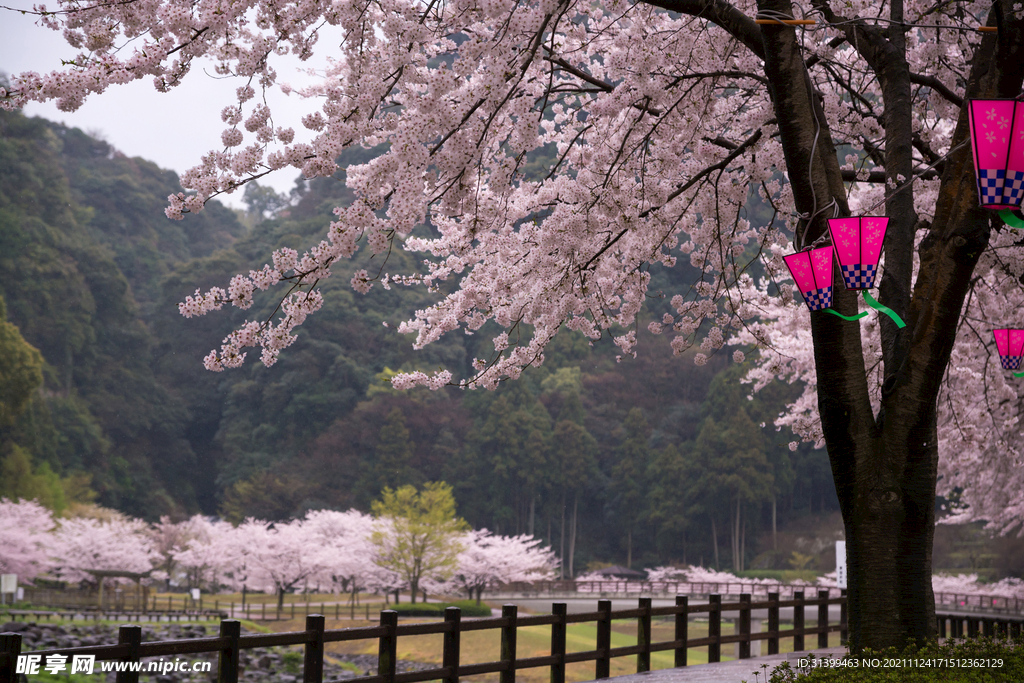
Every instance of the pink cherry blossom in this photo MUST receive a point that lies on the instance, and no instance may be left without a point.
(26, 545)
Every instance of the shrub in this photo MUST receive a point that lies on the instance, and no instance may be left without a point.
(963, 661)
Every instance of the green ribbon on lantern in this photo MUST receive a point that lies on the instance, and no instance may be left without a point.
(845, 317)
(884, 309)
(1018, 374)
(1011, 219)
(878, 307)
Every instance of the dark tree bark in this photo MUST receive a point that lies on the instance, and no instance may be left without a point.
(884, 465)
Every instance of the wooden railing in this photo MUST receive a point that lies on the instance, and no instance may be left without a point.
(230, 642)
(566, 587)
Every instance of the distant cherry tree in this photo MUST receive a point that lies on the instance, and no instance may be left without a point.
(26, 542)
(490, 559)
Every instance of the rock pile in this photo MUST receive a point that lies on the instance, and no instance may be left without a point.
(257, 665)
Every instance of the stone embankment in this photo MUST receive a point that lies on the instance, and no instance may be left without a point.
(258, 665)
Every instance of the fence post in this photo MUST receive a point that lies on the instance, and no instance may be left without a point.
(227, 669)
(823, 619)
(643, 637)
(744, 626)
(10, 648)
(682, 626)
(313, 663)
(715, 627)
(132, 637)
(941, 625)
(773, 623)
(798, 621)
(602, 667)
(844, 634)
(558, 643)
(387, 652)
(450, 655)
(508, 644)
(972, 627)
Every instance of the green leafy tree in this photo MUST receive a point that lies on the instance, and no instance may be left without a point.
(629, 476)
(21, 370)
(392, 464)
(573, 450)
(734, 470)
(670, 510)
(418, 532)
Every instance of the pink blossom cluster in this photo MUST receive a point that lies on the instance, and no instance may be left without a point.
(26, 547)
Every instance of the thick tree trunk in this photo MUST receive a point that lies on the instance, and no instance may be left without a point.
(885, 466)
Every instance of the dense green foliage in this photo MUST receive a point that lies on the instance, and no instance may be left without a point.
(977, 660)
(607, 461)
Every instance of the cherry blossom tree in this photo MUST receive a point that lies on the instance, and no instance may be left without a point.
(278, 556)
(488, 559)
(203, 553)
(661, 116)
(345, 537)
(115, 550)
(169, 539)
(86, 546)
(25, 540)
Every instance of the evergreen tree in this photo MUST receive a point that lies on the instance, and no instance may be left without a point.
(629, 476)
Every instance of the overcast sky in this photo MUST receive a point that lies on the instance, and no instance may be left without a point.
(172, 129)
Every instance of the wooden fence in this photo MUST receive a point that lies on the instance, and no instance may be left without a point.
(230, 642)
(567, 587)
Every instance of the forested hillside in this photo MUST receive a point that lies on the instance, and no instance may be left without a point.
(104, 395)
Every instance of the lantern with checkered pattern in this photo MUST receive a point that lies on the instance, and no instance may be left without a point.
(812, 271)
(1010, 344)
(997, 142)
(858, 244)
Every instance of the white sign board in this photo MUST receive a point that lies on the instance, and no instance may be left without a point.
(841, 564)
(8, 583)
(195, 594)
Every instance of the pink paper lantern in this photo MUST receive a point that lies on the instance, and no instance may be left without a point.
(858, 244)
(997, 142)
(1010, 344)
(812, 271)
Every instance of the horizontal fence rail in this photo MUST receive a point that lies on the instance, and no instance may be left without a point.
(566, 587)
(230, 642)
